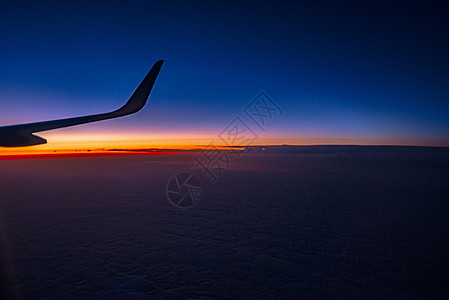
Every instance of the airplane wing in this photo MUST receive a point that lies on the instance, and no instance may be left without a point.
(22, 135)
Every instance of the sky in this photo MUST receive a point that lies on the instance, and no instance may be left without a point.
(342, 72)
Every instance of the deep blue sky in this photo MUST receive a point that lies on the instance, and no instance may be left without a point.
(365, 70)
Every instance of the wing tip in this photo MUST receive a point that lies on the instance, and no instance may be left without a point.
(140, 96)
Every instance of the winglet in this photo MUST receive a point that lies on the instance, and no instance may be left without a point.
(140, 96)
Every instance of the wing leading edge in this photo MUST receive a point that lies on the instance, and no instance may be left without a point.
(22, 135)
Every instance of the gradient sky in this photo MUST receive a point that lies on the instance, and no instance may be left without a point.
(355, 72)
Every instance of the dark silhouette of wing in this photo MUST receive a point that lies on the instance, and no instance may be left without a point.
(22, 134)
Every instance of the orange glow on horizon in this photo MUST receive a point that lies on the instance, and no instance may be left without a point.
(105, 143)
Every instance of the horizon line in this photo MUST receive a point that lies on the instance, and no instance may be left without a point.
(164, 150)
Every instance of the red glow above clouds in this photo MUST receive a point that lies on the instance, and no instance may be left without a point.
(69, 143)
